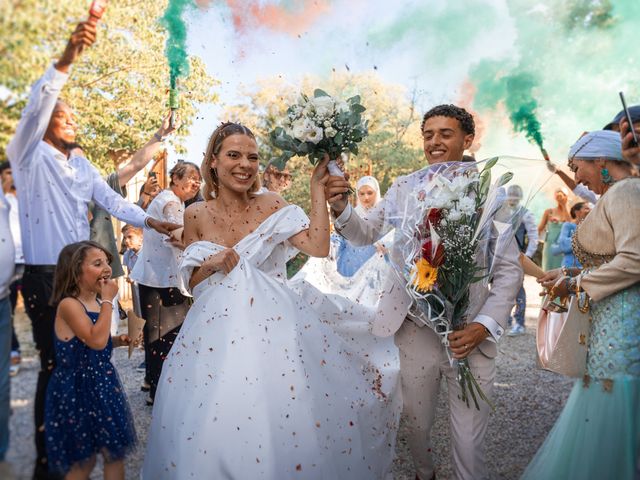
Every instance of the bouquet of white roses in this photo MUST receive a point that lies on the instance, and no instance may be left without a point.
(320, 125)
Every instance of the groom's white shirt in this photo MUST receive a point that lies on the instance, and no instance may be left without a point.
(490, 304)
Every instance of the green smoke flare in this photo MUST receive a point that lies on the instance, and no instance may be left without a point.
(176, 50)
(522, 105)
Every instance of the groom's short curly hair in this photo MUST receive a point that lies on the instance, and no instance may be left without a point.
(452, 111)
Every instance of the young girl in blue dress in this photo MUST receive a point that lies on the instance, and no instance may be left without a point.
(86, 410)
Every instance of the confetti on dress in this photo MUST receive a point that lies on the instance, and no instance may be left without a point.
(299, 399)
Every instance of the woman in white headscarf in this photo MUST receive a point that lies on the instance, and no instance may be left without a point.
(597, 435)
(351, 258)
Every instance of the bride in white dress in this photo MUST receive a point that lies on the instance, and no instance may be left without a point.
(261, 382)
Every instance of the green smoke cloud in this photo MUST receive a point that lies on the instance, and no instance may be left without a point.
(572, 58)
(176, 49)
(516, 91)
(559, 78)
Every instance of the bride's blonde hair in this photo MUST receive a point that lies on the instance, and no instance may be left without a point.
(209, 174)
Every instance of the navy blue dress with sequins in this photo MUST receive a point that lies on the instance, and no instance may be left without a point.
(86, 410)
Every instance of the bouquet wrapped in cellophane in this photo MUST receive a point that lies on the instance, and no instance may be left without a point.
(320, 125)
(447, 222)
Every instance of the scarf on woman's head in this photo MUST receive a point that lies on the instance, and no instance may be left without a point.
(598, 144)
(368, 181)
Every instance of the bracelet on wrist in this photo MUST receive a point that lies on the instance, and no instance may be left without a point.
(572, 286)
(110, 302)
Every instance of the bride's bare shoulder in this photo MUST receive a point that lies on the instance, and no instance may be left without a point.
(270, 202)
(193, 210)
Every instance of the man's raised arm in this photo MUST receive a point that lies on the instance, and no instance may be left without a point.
(44, 95)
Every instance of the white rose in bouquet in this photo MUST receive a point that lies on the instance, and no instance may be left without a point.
(323, 106)
(313, 133)
(299, 129)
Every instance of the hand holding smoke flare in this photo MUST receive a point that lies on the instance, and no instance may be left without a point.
(96, 10)
(176, 50)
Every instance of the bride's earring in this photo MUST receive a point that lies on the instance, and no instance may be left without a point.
(606, 177)
(214, 178)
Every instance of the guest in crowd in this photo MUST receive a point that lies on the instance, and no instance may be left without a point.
(526, 233)
(563, 245)
(101, 224)
(630, 149)
(614, 124)
(276, 180)
(596, 435)
(617, 124)
(156, 272)
(7, 255)
(550, 225)
(9, 190)
(350, 258)
(86, 411)
(131, 247)
(54, 189)
(149, 190)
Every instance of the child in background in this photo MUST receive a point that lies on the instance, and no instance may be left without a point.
(86, 410)
(131, 246)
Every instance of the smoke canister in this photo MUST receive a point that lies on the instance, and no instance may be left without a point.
(545, 155)
(96, 10)
(174, 103)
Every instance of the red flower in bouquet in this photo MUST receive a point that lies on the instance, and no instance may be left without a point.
(433, 254)
(433, 218)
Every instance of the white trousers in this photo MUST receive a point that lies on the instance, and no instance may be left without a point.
(423, 362)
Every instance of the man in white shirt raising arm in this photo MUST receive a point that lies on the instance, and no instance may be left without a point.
(54, 190)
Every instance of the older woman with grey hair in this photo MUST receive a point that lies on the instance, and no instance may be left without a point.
(598, 433)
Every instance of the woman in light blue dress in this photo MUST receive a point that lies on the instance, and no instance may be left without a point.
(597, 435)
(563, 244)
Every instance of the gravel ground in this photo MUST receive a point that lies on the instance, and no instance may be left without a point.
(528, 400)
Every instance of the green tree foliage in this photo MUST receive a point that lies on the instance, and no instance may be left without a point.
(118, 88)
(393, 146)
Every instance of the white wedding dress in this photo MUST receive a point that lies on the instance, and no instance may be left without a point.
(270, 380)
